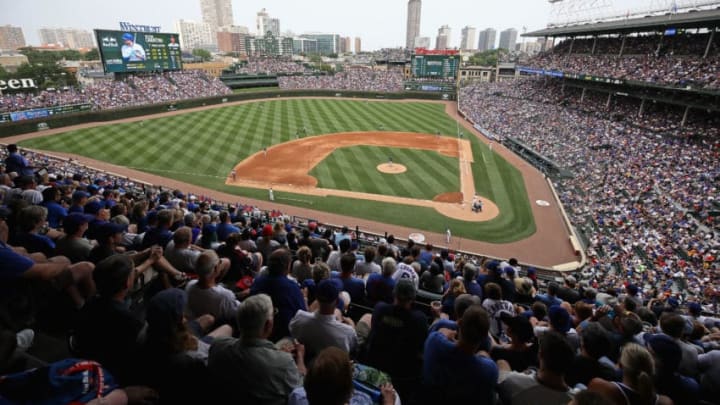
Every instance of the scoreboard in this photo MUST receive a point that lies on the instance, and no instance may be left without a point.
(129, 51)
(435, 66)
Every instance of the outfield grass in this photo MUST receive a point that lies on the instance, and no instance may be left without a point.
(353, 168)
(202, 147)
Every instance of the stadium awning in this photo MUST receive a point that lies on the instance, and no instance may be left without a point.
(693, 19)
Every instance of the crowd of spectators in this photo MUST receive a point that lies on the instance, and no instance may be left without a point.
(674, 61)
(259, 309)
(357, 79)
(643, 189)
(268, 66)
(131, 91)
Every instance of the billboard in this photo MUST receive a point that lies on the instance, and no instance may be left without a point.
(43, 112)
(128, 51)
(437, 66)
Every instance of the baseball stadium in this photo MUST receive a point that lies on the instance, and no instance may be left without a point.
(559, 200)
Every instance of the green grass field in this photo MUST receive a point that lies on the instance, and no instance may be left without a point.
(202, 147)
(353, 168)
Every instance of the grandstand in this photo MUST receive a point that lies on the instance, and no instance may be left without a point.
(153, 281)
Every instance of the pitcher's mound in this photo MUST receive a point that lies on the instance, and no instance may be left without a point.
(394, 168)
(454, 197)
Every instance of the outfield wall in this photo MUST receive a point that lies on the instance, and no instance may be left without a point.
(22, 127)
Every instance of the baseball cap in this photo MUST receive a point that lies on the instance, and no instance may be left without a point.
(632, 289)
(493, 265)
(79, 195)
(108, 229)
(520, 326)
(127, 36)
(326, 292)
(312, 225)
(695, 308)
(267, 230)
(559, 318)
(93, 207)
(531, 271)
(73, 221)
(165, 309)
(509, 270)
(665, 349)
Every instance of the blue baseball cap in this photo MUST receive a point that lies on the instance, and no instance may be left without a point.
(326, 291)
(559, 318)
(127, 37)
(93, 207)
(108, 229)
(79, 195)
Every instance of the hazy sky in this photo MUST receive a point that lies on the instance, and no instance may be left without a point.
(380, 23)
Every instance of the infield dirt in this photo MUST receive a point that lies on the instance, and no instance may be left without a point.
(286, 167)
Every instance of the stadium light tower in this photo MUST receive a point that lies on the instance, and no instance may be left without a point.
(577, 11)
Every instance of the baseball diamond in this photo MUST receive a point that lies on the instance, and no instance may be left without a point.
(202, 147)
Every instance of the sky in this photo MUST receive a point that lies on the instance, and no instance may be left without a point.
(379, 23)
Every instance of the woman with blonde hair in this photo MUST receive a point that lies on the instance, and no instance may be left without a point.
(455, 289)
(636, 388)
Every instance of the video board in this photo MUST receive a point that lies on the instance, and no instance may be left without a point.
(437, 66)
(128, 51)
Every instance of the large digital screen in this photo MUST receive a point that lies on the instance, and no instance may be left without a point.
(128, 51)
(438, 66)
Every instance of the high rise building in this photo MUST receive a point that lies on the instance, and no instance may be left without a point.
(468, 38)
(264, 24)
(443, 37)
(305, 45)
(269, 45)
(231, 42)
(11, 37)
(195, 35)
(67, 37)
(216, 13)
(413, 23)
(486, 39)
(508, 39)
(345, 45)
(422, 42)
(326, 43)
(358, 45)
(237, 29)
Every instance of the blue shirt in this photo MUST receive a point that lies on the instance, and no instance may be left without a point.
(286, 297)
(355, 287)
(156, 236)
(34, 243)
(17, 163)
(224, 230)
(56, 213)
(379, 288)
(457, 377)
(14, 265)
(548, 300)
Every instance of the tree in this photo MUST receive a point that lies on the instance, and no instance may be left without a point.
(487, 58)
(203, 54)
(92, 54)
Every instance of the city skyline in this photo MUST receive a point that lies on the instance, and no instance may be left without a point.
(383, 29)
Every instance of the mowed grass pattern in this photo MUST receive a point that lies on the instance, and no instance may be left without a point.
(354, 168)
(202, 147)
